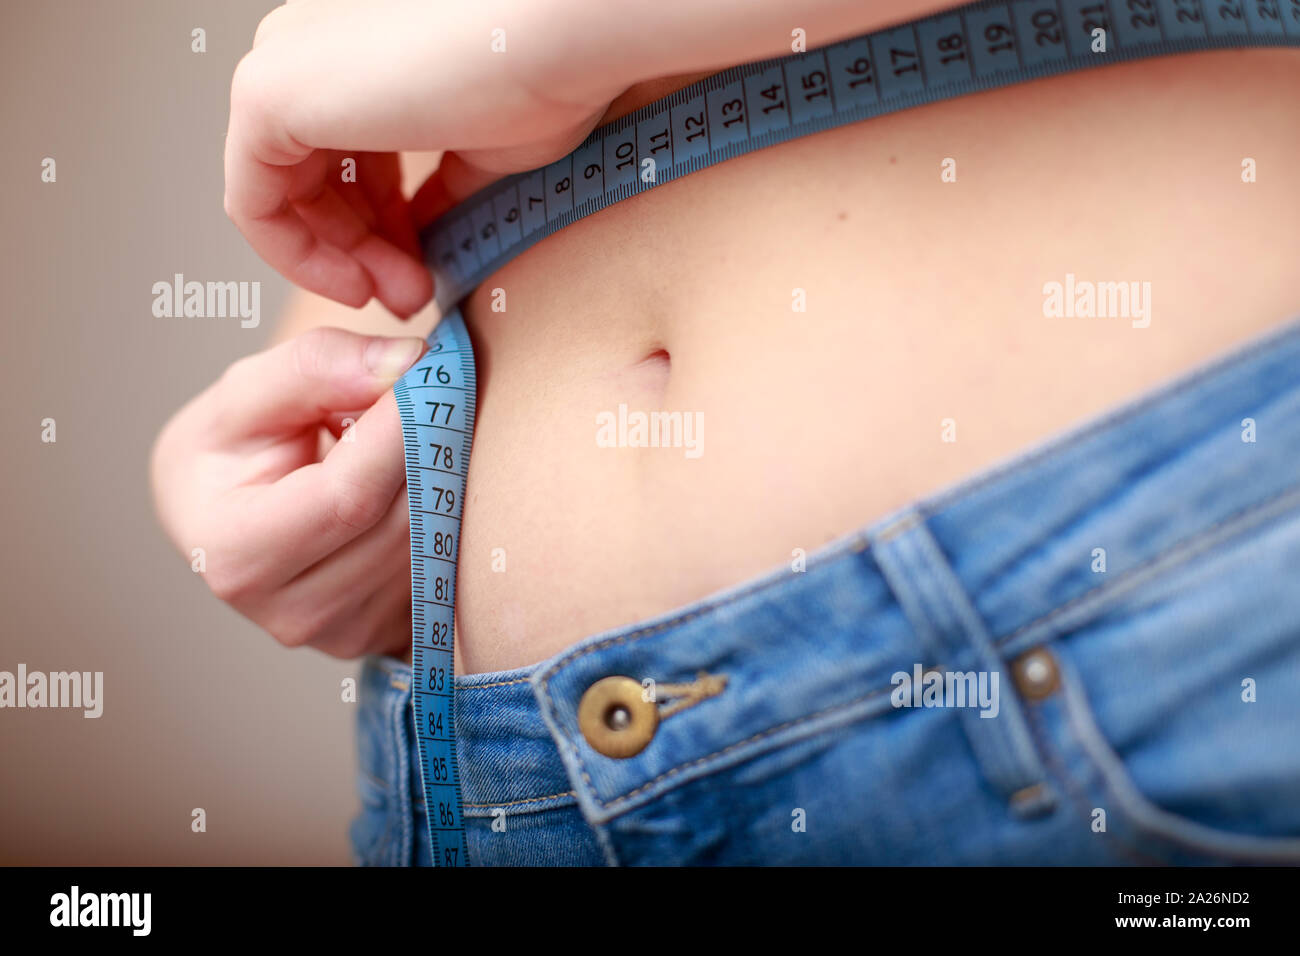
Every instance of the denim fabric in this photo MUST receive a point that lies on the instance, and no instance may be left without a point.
(1146, 713)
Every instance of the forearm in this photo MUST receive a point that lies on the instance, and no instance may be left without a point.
(688, 36)
(575, 45)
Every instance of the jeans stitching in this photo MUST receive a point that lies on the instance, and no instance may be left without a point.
(1077, 796)
(515, 803)
(1179, 546)
(1144, 402)
(729, 599)
(622, 798)
(500, 683)
(925, 509)
(928, 508)
(1139, 809)
(1007, 751)
(1177, 553)
(398, 826)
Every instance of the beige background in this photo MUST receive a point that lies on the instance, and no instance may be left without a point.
(200, 708)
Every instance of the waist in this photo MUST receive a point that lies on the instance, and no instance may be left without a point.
(832, 328)
(1195, 525)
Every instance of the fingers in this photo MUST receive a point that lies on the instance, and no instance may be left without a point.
(300, 382)
(259, 177)
(276, 531)
(464, 172)
(344, 603)
(454, 180)
(380, 177)
(368, 469)
(317, 555)
(352, 224)
(281, 195)
(398, 279)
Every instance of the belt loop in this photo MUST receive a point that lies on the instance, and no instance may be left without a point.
(951, 630)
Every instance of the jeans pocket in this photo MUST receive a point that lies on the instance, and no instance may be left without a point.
(1177, 719)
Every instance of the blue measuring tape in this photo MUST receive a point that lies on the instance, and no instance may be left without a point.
(977, 47)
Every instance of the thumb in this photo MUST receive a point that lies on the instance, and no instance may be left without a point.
(310, 513)
(366, 468)
(300, 382)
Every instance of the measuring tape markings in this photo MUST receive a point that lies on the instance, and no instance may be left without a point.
(436, 400)
(746, 108)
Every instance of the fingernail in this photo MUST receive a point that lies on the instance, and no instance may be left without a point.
(388, 358)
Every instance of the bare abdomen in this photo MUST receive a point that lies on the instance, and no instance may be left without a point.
(924, 320)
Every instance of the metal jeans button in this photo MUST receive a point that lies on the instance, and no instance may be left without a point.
(1036, 674)
(615, 719)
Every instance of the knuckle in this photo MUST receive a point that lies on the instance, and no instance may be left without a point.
(293, 625)
(354, 507)
(256, 93)
(289, 633)
(230, 585)
(312, 352)
(247, 85)
(237, 372)
(268, 26)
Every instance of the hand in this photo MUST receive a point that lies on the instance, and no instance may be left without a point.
(331, 79)
(312, 547)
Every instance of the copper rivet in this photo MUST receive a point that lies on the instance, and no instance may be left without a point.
(614, 718)
(1036, 674)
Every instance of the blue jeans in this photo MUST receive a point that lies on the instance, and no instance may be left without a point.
(1088, 655)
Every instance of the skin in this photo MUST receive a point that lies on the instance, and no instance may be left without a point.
(304, 533)
(925, 303)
